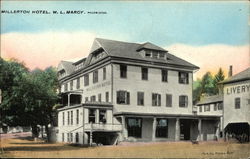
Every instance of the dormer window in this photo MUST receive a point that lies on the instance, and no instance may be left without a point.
(154, 54)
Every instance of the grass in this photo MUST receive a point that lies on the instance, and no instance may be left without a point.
(25, 147)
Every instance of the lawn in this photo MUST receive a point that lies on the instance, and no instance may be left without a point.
(24, 147)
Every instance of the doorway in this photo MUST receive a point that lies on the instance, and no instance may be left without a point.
(185, 125)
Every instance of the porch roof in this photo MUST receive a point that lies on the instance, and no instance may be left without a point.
(166, 115)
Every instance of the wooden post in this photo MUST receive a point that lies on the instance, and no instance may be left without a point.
(177, 129)
(154, 129)
(90, 134)
(199, 129)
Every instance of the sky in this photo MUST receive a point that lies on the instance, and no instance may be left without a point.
(207, 34)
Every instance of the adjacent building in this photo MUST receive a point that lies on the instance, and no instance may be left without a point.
(129, 92)
(236, 99)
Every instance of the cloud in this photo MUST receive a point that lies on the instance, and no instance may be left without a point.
(40, 50)
(211, 57)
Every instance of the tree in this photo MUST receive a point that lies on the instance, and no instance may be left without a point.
(207, 84)
(218, 78)
(28, 97)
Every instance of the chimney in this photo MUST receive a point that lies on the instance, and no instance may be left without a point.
(230, 72)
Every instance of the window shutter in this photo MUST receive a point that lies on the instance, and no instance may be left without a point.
(128, 98)
(186, 101)
(117, 97)
(152, 99)
(159, 102)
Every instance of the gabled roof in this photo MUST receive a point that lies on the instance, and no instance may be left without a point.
(80, 61)
(67, 66)
(150, 46)
(244, 75)
(210, 99)
(130, 50)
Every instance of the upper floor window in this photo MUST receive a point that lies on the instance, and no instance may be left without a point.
(77, 116)
(220, 106)
(123, 97)
(63, 121)
(99, 97)
(71, 85)
(164, 75)
(207, 108)
(65, 87)
(71, 117)
(183, 101)
(107, 96)
(140, 98)
(200, 108)
(78, 83)
(169, 100)
(92, 99)
(156, 99)
(95, 76)
(215, 106)
(183, 77)
(68, 118)
(102, 116)
(123, 71)
(104, 73)
(144, 73)
(86, 80)
(237, 103)
(148, 53)
(92, 115)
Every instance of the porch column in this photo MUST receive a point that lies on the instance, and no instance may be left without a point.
(97, 112)
(217, 133)
(177, 129)
(69, 99)
(124, 129)
(199, 129)
(154, 129)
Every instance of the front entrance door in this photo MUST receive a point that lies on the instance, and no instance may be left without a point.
(185, 129)
(134, 127)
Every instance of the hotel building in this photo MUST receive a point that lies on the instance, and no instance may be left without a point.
(129, 92)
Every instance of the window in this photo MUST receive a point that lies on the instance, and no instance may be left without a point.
(68, 118)
(92, 99)
(71, 137)
(123, 71)
(91, 115)
(147, 53)
(95, 76)
(100, 97)
(62, 137)
(161, 128)
(237, 103)
(206, 108)
(104, 73)
(102, 116)
(77, 83)
(169, 100)
(156, 99)
(134, 126)
(248, 101)
(161, 55)
(107, 96)
(215, 106)
(86, 80)
(220, 106)
(144, 73)
(155, 54)
(183, 101)
(200, 108)
(77, 116)
(77, 137)
(123, 97)
(63, 121)
(140, 98)
(71, 116)
(183, 77)
(68, 139)
(164, 75)
(86, 99)
(71, 85)
(65, 87)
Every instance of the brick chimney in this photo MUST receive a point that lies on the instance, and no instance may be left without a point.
(230, 72)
